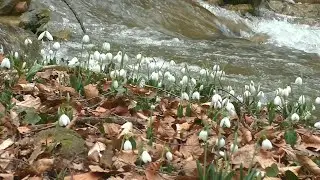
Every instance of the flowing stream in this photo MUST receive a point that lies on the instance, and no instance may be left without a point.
(270, 49)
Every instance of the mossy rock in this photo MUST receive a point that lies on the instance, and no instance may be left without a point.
(62, 141)
(241, 8)
(63, 35)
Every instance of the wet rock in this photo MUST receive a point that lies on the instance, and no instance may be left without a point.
(10, 20)
(241, 8)
(35, 19)
(215, 2)
(12, 38)
(298, 9)
(63, 35)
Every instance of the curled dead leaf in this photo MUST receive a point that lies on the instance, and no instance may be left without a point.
(192, 147)
(6, 143)
(309, 164)
(43, 165)
(91, 91)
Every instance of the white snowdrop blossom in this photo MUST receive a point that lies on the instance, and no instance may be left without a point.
(172, 63)
(220, 142)
(145, 157)
(225, 122)
(167, 74)
(185, 96)
(171, 79)
(286, 92)
(234, 148)
(45, 34)
(184, 80)
(203, 72)
(125, 58)
(5, 63)
(246, 87)
(139, 56)
(118, 57)
(302, 100)
(109, 56)
(259, 105)
(169, 156)
(317, 125)
(247, 94)
(193, 81)
(50, 52)
(216, 101)
(266, 144)
(127, 146)
(221, 153)
(260, 94)
(127, 127)
(232, 92)
(56, 46)
(216, 68)
(27, 41)
(96, 55)
(85, 39)
(295, 117)
(154, 76)
(230, 107)
(64, 120)
(106, 46)
(203, 135)
(183, 70)
(201, 87)
(317, 101)
(74, 62)
(252, 89)
(196, 95)
(16, 55)
(103, 57)
(288, 89)
(115, 84)
(277, 101)
(123, 73)
(298, 81)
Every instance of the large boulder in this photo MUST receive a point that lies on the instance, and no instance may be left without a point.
(297, 9)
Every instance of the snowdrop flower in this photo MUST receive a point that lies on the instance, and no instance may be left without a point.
(85, 39)
(50, 52)
(56, 46)
(286, 92)
(139, 56)
(260, 94)
(123, 73)
(203, 72)
(252, 89)
(5, 63)
(229, 88)
(152, 107)
(247, 94)
(167, 74)
(118, 57)
(27, 41)
(225, 101)
(193, 81)
(220, 142)
(106, 46)
(115, 84)
(24, 65)
(259, 105)
(225, 122)
(171, 78)
(184, 80)
(201, 88)
(288, 89)
(234, 148)
(295, 117)
(240, 98)
(169, 156)
(103, 57)
(230, 107)
(16, 55)
(317, 125)
(232, 92)
(145, 157)
(96, 55)
(196, 95)
(155, 76)
(125, 58)
(216, 68)
(127, 127)
(172, 63)
(109, 56)
(127, 146)
(203, 135)
(64, 120)
(266, 144)
(313, 107)
(246, 87)
(216, 98)
(45, 34)
(183, 70)
(277, 101)
(317, 101)
(74, 61)
(185, 96)
(113, 74)
(302, 100)
(298, 81)
(221, 153)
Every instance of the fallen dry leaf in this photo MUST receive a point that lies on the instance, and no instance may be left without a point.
(244, 156)
(152, 171)
(91, 91)
(84, 176)
(294, 169)
(6, 143)
(192, 147)
(43, 165)
(308, 164)
(6, 176)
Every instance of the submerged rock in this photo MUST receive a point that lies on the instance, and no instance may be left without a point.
(241, 8)
(13, 7)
